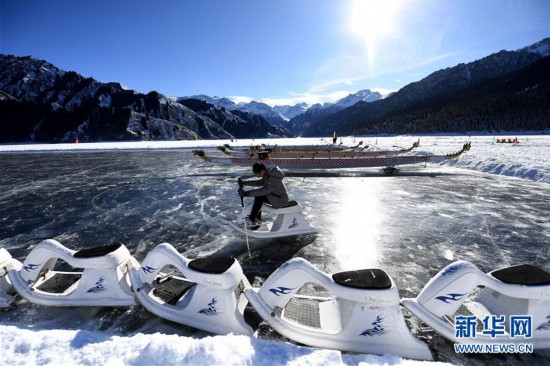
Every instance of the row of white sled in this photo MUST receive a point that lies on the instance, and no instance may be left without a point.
(357, 311)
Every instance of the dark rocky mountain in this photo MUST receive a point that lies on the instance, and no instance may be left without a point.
(515, 101)
(444, 85)
(41, 103)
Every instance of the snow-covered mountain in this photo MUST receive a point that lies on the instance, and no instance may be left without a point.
(281, 115)
(361, 96)
(220, 102)
(265, 111)
(291, 111)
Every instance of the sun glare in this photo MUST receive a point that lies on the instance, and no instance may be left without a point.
(357, 223)
(373, 21)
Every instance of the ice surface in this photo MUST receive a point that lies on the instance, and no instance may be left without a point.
(142, 194)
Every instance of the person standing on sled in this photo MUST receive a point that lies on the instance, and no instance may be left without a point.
(272, 190)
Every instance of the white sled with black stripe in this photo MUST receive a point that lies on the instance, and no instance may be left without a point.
(288, 221)
(510, 296)
(204, 293)
(354, 311)
(7, 263)
(55, 275)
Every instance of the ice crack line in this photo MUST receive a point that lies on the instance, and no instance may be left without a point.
(488, 230)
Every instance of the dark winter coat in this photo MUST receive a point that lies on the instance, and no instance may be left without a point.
(272, 186)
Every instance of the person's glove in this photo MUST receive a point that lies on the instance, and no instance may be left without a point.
(242, 192)
(240, 182)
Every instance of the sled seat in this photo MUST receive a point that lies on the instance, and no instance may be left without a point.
(290, 207)
(94, 277)
(204, 293)
(368, 279)
(211, 265)
(522, 274)
(97, 251)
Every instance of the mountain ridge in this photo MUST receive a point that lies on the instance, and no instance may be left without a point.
(42, 103)
(443, 81)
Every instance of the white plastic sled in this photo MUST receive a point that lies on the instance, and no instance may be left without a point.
(102, 281)
(204, 293)
(288, 221)
(7, 263)
(462, 289)
(355, 311)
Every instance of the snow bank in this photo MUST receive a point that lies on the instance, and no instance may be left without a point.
(529, 158)
(25, 346)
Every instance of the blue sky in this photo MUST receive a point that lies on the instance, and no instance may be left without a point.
(276, 51)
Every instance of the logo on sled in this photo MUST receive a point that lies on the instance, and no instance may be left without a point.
(450, 297)
(98, 286)
(449, 271)
(377, 330)
(211, 309)
(31, 267)
(294, 224)
(545, 326)
(148, 269)
(280, 290)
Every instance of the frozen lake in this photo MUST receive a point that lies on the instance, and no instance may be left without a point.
(411, 224)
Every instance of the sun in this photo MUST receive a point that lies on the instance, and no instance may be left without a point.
(373, 22)
(373, 18)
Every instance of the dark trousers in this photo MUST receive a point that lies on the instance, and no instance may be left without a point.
(257, 206)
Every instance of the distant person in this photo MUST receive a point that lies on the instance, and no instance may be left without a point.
(272, 191)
